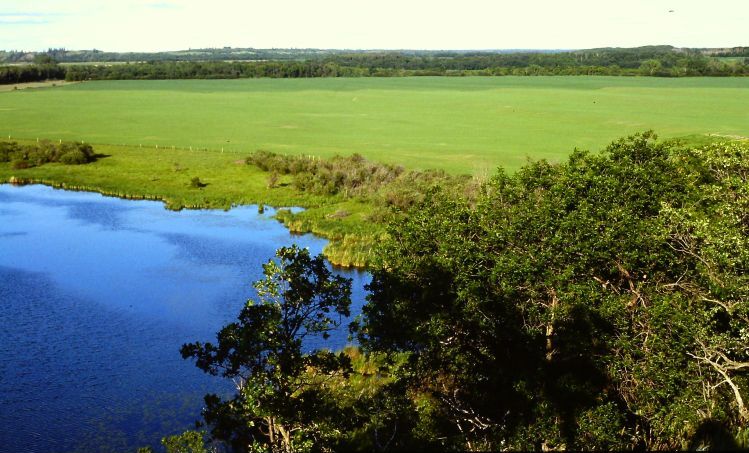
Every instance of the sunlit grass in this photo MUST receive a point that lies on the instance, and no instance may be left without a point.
(463, 125)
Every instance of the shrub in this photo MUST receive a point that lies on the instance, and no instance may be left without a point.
(76, 157)
(20, 164)
(8, 150)
(196, 183)
(25, 156)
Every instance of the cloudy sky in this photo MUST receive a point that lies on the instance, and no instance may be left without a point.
(151, 25)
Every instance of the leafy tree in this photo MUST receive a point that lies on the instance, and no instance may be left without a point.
(598, 303)
(278, 405)
(187, 442)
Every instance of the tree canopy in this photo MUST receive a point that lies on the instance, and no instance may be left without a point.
(598, 303)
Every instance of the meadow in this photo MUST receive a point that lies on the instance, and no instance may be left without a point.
(461, 124)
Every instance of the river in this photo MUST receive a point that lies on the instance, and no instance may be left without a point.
(97, 295)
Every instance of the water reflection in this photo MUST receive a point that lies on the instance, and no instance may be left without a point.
(96, 296)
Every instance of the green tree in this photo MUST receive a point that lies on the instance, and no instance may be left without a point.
(278, 405)
(598, 303)
(651, 67)
(187, 442)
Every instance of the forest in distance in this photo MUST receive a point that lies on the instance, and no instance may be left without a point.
(599, 303)
(658, 61)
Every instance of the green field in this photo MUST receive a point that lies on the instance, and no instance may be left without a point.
(470, 124)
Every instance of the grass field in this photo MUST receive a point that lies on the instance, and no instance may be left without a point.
(470, 124)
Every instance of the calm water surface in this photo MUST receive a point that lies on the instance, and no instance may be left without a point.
(97, 295)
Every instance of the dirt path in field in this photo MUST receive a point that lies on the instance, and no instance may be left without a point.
(45, 84)
(735, 137)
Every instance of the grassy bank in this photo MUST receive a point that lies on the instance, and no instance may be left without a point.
(461, 125)
(141, 173)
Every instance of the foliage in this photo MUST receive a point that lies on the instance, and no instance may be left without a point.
(187, 442)
(27, 156)
(662, 61)
(196, 183)
(276, 406)
(598, 303)
(354, 176)
(45, 70)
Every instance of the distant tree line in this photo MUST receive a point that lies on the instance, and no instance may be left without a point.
(209, 54)
(396, 66)
(658, 61)
(31, 73)
(210, 70)
(624, 57)
(732, 52)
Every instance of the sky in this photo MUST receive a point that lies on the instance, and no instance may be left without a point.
(154, 25)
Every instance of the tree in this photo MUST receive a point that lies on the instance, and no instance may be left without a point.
(650, 67)
(599, 303)
(279, 405)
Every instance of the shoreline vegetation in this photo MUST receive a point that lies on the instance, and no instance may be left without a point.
(347, 200)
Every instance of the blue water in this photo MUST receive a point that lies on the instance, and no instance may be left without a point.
(97, 295)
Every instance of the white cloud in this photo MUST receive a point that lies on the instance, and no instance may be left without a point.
(470, 24)
(23, 18)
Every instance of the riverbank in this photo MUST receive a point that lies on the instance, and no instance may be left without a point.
(225, 180)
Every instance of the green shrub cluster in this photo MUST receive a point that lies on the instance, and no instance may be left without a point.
(353, 176)
(27, 156)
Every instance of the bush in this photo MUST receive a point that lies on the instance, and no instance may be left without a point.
(76, 157)
(8, 150)
(20, 164)
(25, 156)
(354, 176)
(196, 183)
